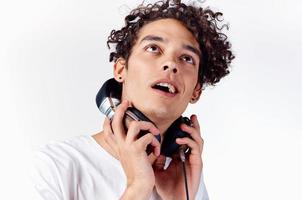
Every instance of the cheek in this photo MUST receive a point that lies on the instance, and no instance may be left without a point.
(140, 68)
(190, 82)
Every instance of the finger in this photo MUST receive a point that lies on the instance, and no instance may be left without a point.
(193, 132)
(195, 122)
(117, 121)
(136, 127)
(195, 148)
(160, 162)
(152, 158)
(147, 139)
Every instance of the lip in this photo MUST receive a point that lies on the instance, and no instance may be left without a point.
(166, 93)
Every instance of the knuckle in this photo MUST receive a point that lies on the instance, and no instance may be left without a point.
(117, 110)
(200, 141)
(148, 138)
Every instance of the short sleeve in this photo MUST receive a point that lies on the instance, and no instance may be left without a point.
(202, 193)
(44, 176)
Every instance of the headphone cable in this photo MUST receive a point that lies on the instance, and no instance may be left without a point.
(183, 160)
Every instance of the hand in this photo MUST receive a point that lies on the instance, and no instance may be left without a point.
(170, 183)
(132, 154)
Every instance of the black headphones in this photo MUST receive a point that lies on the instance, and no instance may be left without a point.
(109, 97)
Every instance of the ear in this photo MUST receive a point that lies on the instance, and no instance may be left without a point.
(196, 93)
(119, 69)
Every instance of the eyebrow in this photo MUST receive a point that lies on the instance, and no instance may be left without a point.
(192, 49)
(160, 39)
(153, 38)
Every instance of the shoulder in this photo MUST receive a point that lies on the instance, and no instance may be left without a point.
(65, 154)
(54, 165)
(61, 151)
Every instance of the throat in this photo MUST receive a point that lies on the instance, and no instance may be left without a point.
(162, 123)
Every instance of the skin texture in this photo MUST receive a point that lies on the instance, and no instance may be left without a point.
(163, 51)
(146, 66)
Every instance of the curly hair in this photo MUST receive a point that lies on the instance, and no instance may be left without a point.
(216, 54)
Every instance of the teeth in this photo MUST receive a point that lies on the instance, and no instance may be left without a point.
(171, 87)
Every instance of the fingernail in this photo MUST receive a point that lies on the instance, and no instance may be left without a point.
(178, 140)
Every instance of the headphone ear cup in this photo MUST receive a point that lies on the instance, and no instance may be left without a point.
(109, 96)
(169, 146)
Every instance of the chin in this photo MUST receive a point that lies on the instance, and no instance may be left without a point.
(158, 112)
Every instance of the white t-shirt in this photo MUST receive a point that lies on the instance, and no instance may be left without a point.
(80, 169)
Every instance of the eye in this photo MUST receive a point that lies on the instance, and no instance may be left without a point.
(152, 48)
(188, 59)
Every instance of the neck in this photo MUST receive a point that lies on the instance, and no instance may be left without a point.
(162, 124)
(106, 140)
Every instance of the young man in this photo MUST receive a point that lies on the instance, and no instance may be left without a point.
(164, 56)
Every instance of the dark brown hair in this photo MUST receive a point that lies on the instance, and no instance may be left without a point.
(216, 54)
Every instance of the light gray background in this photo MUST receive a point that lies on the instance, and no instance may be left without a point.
(53, 59)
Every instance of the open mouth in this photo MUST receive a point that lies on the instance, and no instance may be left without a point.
(165, 87)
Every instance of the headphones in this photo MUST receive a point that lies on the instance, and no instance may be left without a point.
(108, 98)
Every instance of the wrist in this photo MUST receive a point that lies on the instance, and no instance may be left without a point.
(137, 191)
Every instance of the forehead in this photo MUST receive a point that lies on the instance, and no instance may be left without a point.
(169, 29)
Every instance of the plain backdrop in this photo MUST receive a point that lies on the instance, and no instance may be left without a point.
(54, 58)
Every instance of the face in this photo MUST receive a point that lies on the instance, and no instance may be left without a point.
(162, 72)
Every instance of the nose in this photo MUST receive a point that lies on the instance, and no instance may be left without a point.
(170, 65)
